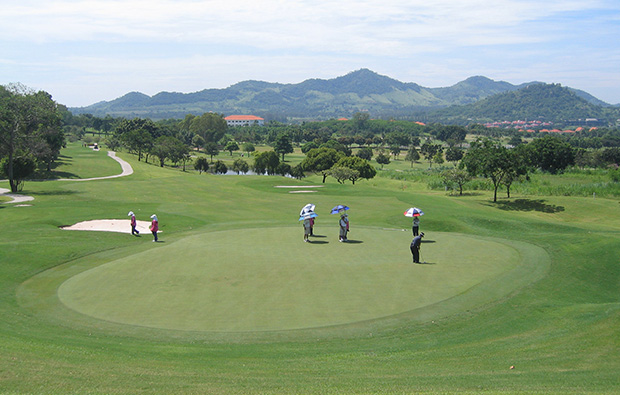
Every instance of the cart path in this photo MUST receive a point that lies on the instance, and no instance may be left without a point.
(125, 167)
(126, 170)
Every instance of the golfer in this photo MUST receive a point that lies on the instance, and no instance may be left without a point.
(415, 247)
(154, 227)
(344, 227)
(307, 228)
(416, 225)
(134, 231)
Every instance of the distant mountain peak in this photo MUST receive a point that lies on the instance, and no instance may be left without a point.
(359, 90)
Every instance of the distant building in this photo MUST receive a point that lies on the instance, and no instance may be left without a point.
(244, 120)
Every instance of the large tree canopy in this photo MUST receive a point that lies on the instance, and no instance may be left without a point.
(30, 127)
(210, 126)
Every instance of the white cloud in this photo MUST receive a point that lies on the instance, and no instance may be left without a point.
(118, 46)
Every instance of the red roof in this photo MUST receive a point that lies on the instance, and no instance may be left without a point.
(243, 118)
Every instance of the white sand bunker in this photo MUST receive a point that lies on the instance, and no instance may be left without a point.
(110, 225)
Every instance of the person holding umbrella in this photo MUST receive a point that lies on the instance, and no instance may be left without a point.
(344, 221)
(415, 213)
(134, 231)
(308, 209)
(415, 247)
(344, 227)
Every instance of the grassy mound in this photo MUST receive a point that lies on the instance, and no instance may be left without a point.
(268, 279)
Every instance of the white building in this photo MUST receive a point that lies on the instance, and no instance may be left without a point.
(244, 120)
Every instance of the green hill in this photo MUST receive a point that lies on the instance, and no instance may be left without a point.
(361, 90)
(548, 102)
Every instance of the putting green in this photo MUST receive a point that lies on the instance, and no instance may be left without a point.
(269, 279)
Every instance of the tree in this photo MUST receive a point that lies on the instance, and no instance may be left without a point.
(297, 172)
(220, 167)
(240, 166)
(231, 146)
(365, 153)
(30, 123)
(341, 174)
(412, 155)
(211, 149)
(283, 169)
(360, 120)
(210, 126)
(248, 147)
(382, 159)
(198, 142)
(518, 166)
(489, 160)
(430, 150)
(551, 154)
(438, 158)
(137, 141)
(395, 150)
(361, 165)
(266, 161)
(455, 178)
(168, 147)
(112, 142)
(454, 154)
(283, 145)
(321, 160)
(23, 167)
(201, 164)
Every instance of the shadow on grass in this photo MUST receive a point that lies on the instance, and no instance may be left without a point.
(318, 242)
(53, 193)
(349, 241)
(528, 205)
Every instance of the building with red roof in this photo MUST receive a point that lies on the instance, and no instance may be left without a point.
(244, 120)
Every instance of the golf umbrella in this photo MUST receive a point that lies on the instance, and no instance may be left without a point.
(413, 212)
(308, 208)
(310, 214)
(339, 208)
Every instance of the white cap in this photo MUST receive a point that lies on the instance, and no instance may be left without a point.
(130, 214)
(154, 217)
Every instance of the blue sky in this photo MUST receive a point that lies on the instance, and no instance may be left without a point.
(86, 51)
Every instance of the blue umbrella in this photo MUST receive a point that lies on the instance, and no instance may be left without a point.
(339, 208)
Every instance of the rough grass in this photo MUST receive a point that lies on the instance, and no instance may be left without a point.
(559, 332)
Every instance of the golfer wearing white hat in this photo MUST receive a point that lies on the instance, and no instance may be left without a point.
(154, 227)
(134, 231)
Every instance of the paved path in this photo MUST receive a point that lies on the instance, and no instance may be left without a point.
(125, 167)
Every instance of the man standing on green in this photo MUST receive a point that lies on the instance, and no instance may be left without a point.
(415, 247)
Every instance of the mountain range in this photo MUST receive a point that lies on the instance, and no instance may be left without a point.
(361, 90)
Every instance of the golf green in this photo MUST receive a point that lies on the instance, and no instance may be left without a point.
(270, 280)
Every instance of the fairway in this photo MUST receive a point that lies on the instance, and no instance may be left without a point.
(269, 280)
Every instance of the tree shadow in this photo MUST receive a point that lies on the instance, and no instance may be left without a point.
(53, 193)
(528, 205)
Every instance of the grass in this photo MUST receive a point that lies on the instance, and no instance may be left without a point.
(554, 318)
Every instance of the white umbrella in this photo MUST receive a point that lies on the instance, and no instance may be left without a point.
(307, 208)
(413, 212)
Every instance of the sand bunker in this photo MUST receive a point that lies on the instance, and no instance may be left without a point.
(110, 225)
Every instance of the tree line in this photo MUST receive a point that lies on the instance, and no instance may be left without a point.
(33, 129)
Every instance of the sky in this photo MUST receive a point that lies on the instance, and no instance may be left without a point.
(87, 51)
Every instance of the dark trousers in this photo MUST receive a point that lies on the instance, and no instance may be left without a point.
(134, 231)
(154, 236)
(415, 251)
(415, 230)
